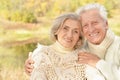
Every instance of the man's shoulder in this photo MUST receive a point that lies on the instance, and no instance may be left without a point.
(117, 36)
(116, 42)
(117, 39)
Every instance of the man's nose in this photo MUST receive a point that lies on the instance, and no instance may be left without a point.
(90, 28)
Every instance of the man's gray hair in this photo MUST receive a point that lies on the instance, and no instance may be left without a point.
(87, 7)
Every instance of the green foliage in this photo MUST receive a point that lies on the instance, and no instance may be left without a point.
(21, 52)
(16, 16)
(23, 16)
(12, 10)
(5, 14)
(29, 10)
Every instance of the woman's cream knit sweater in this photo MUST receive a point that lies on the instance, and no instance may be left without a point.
(55, 62)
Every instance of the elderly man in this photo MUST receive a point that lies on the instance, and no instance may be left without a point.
(101, 42)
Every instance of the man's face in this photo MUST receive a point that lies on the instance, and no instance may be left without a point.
(94, 26)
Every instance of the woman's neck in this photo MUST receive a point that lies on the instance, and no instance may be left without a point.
(63, 50)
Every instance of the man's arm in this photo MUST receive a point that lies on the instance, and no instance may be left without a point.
(109, 70)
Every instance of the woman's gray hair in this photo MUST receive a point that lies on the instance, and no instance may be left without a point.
(101, 8)
(58, 23)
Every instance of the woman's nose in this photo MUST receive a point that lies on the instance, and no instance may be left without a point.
(70, 34)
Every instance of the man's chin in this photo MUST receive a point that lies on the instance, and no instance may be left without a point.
(93, 41)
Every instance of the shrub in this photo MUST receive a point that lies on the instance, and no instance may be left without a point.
(23, 16)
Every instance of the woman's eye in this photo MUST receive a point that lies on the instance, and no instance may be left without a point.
(65, 28)
(76, 31)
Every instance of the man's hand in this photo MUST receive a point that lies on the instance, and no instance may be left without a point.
(28, 64)
(88, 58)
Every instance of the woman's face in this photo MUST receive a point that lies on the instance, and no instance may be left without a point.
(68, 34)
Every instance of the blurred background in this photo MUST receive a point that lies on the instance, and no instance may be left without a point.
(24, 23)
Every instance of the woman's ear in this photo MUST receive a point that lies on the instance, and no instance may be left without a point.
(106, 25)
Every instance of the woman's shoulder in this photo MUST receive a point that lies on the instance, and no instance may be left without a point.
(40, 49)
(39, 54)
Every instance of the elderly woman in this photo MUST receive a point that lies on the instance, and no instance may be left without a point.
(59, 60)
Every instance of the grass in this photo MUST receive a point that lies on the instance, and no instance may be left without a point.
(10, 66)
(13, 74)
(12, 58)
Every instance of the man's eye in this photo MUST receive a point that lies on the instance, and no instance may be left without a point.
(95, 23)
(85, 26)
